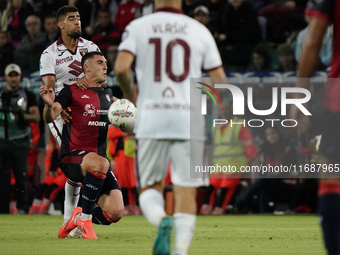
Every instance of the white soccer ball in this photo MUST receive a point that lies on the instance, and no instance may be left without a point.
(122, 114)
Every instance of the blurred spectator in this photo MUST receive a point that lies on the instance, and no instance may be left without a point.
(4, 6)
(326, 51)
(125, 14)
(17, 14)
(18, 109)
(202, 15)
(233, 145)
(216, 9)
(50, 7)
(111, 55)
(278, 14)
(258, 4)
(260, 59)
(6, 52)
(305, 196)
(105, 34)
(188, 6)
(97, 5)
(51, 29)
(287, 61)
(53, 182)
(238, 33)
(146, 8)
(85, 10)
(121, 147)
(31, 46)
(274, 152)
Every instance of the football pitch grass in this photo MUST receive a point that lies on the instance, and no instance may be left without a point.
(133, 235)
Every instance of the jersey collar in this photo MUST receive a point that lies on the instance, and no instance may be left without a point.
(61, 46)
(169, 9)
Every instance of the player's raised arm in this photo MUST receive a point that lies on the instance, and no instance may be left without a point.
(122, 71)
(52, 109)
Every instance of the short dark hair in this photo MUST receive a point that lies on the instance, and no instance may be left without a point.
(89, 55)
(64, 10)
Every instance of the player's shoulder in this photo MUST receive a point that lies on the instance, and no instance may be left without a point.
(86, 42)
(50, 49)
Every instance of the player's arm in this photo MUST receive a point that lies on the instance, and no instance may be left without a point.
(122, 71)
(49, 81)
(311, 48)
(52, 109)
(217, 73)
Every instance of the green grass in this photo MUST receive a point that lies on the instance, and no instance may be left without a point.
(242, 234)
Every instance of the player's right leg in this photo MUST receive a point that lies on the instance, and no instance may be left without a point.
(152, 162)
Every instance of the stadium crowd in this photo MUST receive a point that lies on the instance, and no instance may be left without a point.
(251, 35)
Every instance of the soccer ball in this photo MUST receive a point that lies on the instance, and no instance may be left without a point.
(122, 114)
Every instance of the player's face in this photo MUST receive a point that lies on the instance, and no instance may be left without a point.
(13, 80)
(98, 66)
(72, 25)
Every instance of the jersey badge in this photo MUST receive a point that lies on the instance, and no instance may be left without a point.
(83, 51)
(90, 110)
(108, 98)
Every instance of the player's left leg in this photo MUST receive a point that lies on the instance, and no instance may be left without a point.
(183, 153)
(152, 162)
(111, 205)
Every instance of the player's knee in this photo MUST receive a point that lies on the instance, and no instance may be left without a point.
(116, 214)
(103, 165)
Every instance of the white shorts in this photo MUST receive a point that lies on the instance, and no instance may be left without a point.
(56, 128)
(154, 155)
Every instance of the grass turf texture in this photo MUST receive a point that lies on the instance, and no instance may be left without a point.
(242, 234)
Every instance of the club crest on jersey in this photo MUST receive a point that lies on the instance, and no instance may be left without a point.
(108, 98)
(90, 110)
(83, 51)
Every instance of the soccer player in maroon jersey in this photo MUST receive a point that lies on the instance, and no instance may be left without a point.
(83, 150)
(323, 13)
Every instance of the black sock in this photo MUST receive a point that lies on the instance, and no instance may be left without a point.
(329, 201)
(100, 217)
(92, 184)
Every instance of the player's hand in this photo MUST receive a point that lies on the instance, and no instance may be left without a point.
(290, 4)
(65, 115)
(82, 83)
(47, 94)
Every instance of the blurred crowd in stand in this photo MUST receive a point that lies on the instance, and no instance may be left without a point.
(252, 36)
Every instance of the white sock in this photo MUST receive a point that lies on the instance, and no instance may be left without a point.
(152, 204)
(72, 190)
(85, 216)
(185, 228)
